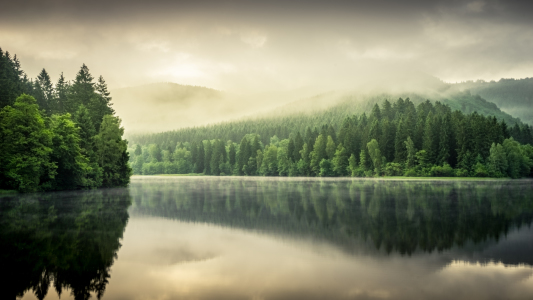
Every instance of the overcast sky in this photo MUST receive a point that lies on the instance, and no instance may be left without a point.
(269, 45)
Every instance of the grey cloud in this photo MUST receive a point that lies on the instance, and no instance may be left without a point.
(262, 45)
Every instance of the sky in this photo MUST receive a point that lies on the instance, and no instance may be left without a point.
(272, 45)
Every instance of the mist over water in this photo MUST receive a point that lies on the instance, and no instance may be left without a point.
(274, 238)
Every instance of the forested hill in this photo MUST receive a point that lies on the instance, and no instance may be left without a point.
(514, 96)
(396, 138)
(313, 113)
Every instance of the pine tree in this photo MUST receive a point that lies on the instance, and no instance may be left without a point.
(400, 152)
(138, 150)
(363, 160)
(331, 132)
(208, 156)
(387, 140)
(387, 110)
(200, 165)
(244, 154)
(445, 154)
(232, 154)
(290, 150)
(100, 103)
(375, 155)
(429, 139)
(60, 98)
(411, 153)
(298, 145)
(44, 92)
(81, 92)
(11, 79)
(375, 115)
(330, 148)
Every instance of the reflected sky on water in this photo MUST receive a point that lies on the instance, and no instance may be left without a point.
(270, 238)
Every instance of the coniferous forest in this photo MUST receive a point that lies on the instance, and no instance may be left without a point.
(58, 136)
(395, 139)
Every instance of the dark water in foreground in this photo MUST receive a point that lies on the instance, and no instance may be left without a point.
(261, 238)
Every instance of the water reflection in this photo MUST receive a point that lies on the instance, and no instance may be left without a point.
(68, 240)
(358, 216)
(270, 238)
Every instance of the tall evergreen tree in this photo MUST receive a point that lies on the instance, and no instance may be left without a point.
(100, 103)
(446, 142)
(208, 156)
(81, 92)
(44, 92)
(200, 165)
(11, 79)
(60, 98)
(232, 154)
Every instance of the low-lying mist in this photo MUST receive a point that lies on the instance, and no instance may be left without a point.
(168, 106)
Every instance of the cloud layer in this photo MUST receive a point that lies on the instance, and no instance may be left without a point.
(270, 45)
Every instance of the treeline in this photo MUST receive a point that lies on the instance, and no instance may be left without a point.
(62, 136)
(395, 139)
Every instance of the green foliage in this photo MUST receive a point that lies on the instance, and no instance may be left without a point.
(44, 148)
(424, 140)
(341, 161)
(72, 165)
(111, 153)
(411, 153)
(326, 168)
(375, 155)
(269, 164)
(25, 147)
(444, 171)
(393, 169)
(518, 163)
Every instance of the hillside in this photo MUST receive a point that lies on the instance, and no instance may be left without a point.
(329, 108)
(513, 96)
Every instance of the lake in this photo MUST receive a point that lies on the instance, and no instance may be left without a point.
(271, 238)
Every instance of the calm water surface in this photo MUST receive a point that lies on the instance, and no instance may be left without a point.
(269, 238)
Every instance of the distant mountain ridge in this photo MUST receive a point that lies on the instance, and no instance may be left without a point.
(514, 96)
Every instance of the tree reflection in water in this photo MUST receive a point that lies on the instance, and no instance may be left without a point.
(400, 216)
(69, 240)
(65, 239)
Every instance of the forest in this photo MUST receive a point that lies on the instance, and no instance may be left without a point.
(58, 137)
(395, 139)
